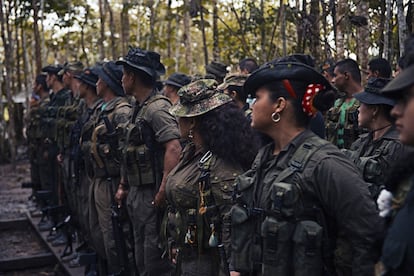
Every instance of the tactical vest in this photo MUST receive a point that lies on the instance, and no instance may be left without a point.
(66, 119)
(35, 128)
(105, 154)
(347, 131)
(289, 236)
(371, 168)
(142, 154)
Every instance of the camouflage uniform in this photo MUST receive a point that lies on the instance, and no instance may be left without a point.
(342, 123)
(34, 134)
(106, 173)
(189, 230)
(49, 169)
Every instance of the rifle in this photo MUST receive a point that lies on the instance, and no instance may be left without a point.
(117, 228)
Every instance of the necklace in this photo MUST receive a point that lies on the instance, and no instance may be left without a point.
(381, 128)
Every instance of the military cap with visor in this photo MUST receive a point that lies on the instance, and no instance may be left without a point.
(372, 94)
(398, 86)
(143, 61)
(198, 98)
(111, 74)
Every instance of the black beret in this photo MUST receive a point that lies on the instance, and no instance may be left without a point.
(178, 80)
(52, 69)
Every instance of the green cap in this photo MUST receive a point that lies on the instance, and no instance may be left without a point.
(75, 67)
(233, 80)
(199, 97)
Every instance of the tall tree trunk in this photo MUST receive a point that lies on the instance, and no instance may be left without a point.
(402, 25)
(28, 77)
(8, 52)
(341, 28)
(36, 34)
(125, 26)
(178, 44)
(187, 37)
(112, 29)
(410, 15)
(85, 23)
(387, 30)
(262, 30)
(283, 28)
(203, 32)
(153, 18)
(314, 18)
(18, 61)
(363, 35)
(102, 15)
(381, 28)
(169, 19)
(216, 48)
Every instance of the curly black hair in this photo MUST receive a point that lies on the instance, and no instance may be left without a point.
(227, 133)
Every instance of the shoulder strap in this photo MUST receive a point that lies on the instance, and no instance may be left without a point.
(301, 157)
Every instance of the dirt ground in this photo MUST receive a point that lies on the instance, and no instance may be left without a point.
(14, 205)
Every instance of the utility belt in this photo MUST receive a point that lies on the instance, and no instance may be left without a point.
(139, 162)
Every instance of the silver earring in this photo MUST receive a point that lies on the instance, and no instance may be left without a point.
(275, 117)
(190, 134)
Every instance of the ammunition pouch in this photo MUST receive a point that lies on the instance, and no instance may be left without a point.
(139, 169)
(111, 166)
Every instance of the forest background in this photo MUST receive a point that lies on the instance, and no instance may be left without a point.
(188, 34)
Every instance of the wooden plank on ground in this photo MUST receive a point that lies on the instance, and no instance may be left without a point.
(25, 262)
(57, 250)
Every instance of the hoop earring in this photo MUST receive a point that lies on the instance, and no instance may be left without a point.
(190, 134)
(277, 119)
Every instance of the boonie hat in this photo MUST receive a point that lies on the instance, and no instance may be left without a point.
(52, 69)
(178, 80)
(145, 61)
(111, 74)
(217, 69)
(397, 86)
(89, 76)
(371, 93)
(233, 80)
(198, 98)
(76, 67)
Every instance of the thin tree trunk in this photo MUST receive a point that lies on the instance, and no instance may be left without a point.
(381, 29)
(42, 35)
(341, 28)
(178, 44)
(169, 19)
(314, 17)
(363, 35)
(8, 51)
(36, 33)
(112, 29)
(216, 48)
(125, 26)
(85, 23)
(387, 30)
(26, 69)
(102, 15)
(203, 31)
(187, 37)
(262, 30)
(18, 63)
(283, 28)
(402, 25)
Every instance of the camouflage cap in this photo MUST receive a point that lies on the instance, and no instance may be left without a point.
(199, 97)
(76, 67)
(233, 80)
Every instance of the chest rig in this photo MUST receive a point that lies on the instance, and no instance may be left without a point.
(285, 235)
(142, 154)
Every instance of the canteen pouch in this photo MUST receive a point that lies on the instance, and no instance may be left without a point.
(277, 246)
(307, 249)
(242, 230)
